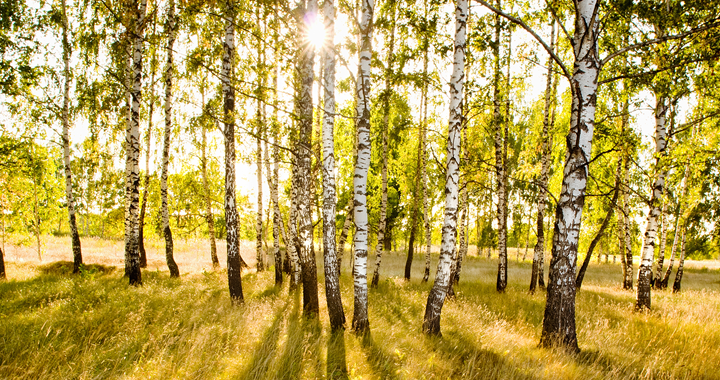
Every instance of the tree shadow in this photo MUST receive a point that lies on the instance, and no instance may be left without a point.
(303, 336)
(382, 362)
(469, 361)
(336, 362)
(64, 268)
(267, 350)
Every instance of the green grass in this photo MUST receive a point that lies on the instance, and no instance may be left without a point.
(61, 326)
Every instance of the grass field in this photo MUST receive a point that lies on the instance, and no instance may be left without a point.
(59, 326)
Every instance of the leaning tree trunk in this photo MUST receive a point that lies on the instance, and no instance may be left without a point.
(231, 215)
(170, 30)
(436, 298)
(379, 249)
(559, 319)
(648, 251)
(663, 241)
(601, 231)
(681, 263)
(67, 51)
(332, 279)
(208, 206)
(304, 165)
(537, 275)
(360, 322)
(676, 238)
(132, 148)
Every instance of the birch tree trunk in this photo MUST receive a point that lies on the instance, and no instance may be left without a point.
(648, 250)
(332, 279)
(70, 199)
(423, 167)
(274, 181)
(498, 123)
(208, 206)
(293, 246)
(676, 238)
(681, 263)
(132, 148)
(379, 248)
(663, 241)
(146, 188)
(304, 156)
(436, 298)
(344, 234)
(360, 322)
(170, 30)
(259, 221)
(626, 256)
(231, 215)
(148, 135)
(559, 318)
(537, 276)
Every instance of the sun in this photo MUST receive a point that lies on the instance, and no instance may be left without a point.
(316, 33)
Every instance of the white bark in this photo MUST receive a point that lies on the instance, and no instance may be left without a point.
(360, 316)
(69, 197)
(132, 147)
(436, 298)
(559, 319)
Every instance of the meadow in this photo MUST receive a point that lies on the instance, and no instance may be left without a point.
(56, 325)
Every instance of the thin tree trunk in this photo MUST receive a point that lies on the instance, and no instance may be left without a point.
(663, 242)
(170, 30)
(146, 187)
(559, 318)
(676, 238)
(436, 298)
(379, 249)
(208, 206)
(537, 276)
(67, 51)
(132, 147)
(259, 220)
(231, 215)
(293, 246)
(681, 263)
(601, 231)
(3, 276)
(344, 234)
(360, 323)
(626, 256)
(332, 279)
(274, 180)
(645, 271)
(499, 162)
(423, 166)
(304, 166)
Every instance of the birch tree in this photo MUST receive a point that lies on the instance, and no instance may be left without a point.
(304, 161)
(436, 298)
(170, 30)
(379, 248)
(360, 321)
(231, 214)
(648, 249)
(69, 197)
(537, 276)
(132, 144)
(332, 275)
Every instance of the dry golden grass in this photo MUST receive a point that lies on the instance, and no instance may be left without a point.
(58, 326)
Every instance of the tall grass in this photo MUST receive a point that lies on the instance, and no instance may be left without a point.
(61, 326)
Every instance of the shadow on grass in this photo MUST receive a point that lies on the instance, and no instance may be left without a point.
(336, 362)
(382, 362)
(265, 353)
(303, 336)
(64, 268)
(469, 361)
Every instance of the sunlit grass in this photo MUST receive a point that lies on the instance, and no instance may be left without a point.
(56, 326)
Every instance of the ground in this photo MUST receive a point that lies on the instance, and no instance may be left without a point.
(59, 326)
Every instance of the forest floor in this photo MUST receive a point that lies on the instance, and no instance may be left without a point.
(61, 326)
